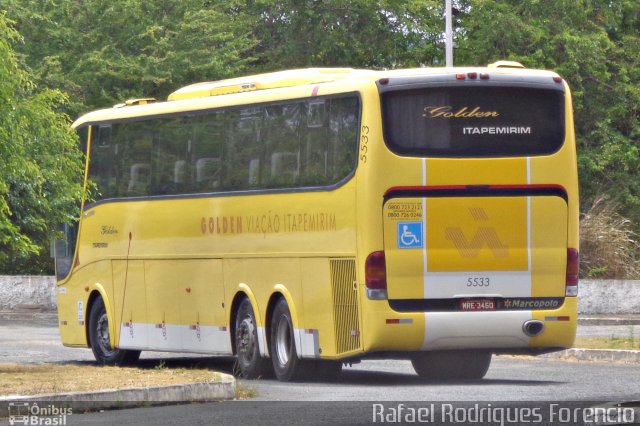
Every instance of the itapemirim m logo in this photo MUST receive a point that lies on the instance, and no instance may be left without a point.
(31, 413)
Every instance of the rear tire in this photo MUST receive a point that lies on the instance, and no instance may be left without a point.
(250, 362)
(286, 363)
(452, 365)
(100, 339)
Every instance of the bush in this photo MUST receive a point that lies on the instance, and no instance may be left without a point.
(609, 247)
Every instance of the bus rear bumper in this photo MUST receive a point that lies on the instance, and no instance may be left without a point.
(501, 331)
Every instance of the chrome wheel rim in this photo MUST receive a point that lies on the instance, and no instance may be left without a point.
(283, 340)
(246, 341)
(102, 332)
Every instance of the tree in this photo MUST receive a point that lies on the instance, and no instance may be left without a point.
(354, 33)
(40, 170)
(102, 52)
(595, 45)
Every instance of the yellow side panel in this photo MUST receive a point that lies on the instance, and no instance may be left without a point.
(185, 292)
(164, 291)
(261, 276)
(549, 245)
(316, 287)
(129, 298)
(73, 318)
(557, 333)
(70, 319)
(379, 335)
(405, 266)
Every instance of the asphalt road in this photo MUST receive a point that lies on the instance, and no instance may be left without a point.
(512, 382)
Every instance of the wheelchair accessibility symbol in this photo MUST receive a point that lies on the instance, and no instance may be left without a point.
(410, 235)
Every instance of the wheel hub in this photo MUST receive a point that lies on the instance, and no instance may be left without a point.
(104, 340)
(245, 334)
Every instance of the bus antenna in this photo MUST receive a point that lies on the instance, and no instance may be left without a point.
(126, 275)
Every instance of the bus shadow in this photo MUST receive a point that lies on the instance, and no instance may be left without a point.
(347, 377)
(382, 378)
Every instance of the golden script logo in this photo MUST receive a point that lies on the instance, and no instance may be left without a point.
(464, 112)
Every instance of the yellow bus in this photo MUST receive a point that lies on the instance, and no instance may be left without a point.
(303, 219)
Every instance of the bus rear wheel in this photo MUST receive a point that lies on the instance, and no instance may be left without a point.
(452, 365)
(250, 362)
(100, 339)
(286, 363)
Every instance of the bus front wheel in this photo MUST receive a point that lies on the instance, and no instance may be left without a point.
(452, 365)
(100, 339)
(250, 362)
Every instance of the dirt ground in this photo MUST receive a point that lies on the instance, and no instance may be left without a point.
(20, 380)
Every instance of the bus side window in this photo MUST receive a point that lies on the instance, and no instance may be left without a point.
(342, 138)
(179, 173)
(281, 142)
(284, 167)
(208, 173)
(244, 149)
(316, 114)
(64, 249)
(170, 149)
(139, 179)
(103, 163)
(315, 145)
(137, 139)
(254, 172)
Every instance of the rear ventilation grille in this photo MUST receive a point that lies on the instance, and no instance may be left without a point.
(345, 305)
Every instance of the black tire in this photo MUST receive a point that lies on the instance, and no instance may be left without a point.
(286, 363)
(452, 365)
(100, 342)
(250, 362)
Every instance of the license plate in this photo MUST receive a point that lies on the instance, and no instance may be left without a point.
(478, 305)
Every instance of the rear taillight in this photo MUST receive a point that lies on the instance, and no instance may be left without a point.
(375, 272)
(573, 270)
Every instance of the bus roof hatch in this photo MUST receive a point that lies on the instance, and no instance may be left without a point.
(506, 64)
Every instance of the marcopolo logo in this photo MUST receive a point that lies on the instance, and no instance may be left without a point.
(25, 413)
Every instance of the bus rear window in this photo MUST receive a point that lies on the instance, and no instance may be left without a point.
(472, 122)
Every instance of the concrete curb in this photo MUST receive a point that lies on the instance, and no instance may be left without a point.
(80, 402)
(621, 320)
(41, 317)
(598, 355)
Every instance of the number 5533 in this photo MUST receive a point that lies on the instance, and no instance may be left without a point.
(478, 282)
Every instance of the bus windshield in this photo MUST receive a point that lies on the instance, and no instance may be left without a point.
(481, 121)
